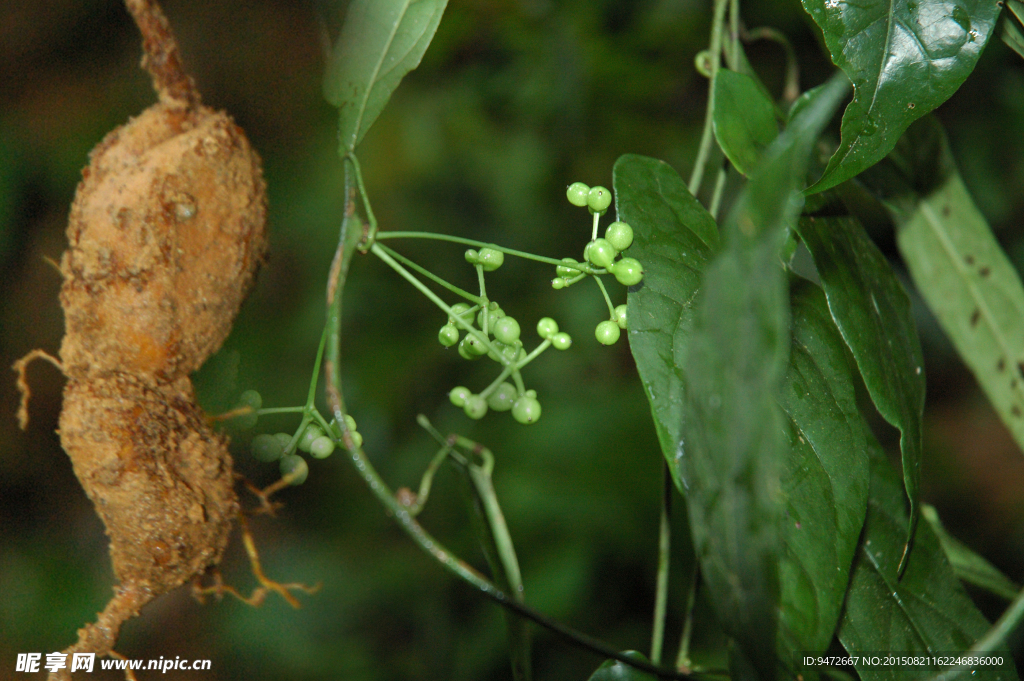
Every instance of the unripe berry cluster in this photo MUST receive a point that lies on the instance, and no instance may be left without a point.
(603, 254)
(282, 447)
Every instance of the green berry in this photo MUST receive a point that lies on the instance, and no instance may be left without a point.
(458, 395)
(311, 433)
(475, 407)
(567, 272)
(628, 271)
(448, 335)
(295, 466)
(620, 316)
(350, 422)
(286, 441)
(506, 330)
(601, 253)
(322, 447)
(607, 333)
(266, 448)
(472, 257)
(558, 283)
(561, 340)
(619, 235)
(251, 398)
(598, 199)
(490, 259)
(526, 409)
(531, 393)
(547, 327)
(503, 397)
(459, 309)
(470, 347)
(577, 194)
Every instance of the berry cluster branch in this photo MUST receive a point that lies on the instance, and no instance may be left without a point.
(162, 58)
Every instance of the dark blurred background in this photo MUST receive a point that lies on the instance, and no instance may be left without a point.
(514, 100)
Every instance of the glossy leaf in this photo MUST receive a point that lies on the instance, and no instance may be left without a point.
(744, 119)
(732, 436)
(905, 57)
(613, 670)
(824, 479)
(674, 238)
(380, 42)
(926, 612)
(968, 565)
(873, 314)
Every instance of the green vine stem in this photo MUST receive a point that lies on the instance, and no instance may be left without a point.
(707, 137)
(683, 658)
(664, 548)
(351, 234)
(431, 276)
(582, 267)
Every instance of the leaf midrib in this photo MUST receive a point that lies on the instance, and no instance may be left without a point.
(377, 67)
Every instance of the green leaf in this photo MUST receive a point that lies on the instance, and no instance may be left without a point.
(926, 612)
(733, 437)
(1013, 36)
(824, 479)
(744, 119)
(873, 314)
(905, 57)
(969, 284)
(380, 42)
(968, 565)
(613, 670)
(674, 238)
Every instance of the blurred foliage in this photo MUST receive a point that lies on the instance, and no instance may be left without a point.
(514, 100)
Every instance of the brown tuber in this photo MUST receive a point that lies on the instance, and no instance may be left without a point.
(166, 233)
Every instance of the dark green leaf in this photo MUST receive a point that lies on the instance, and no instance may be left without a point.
(1017, 9)
(744, 119)
(733, 434)
(968, 565)
(873, 314)
(926, 612)
(824, 479)
(613, 670)
(674, 238)
(905, 57)
(380, 42)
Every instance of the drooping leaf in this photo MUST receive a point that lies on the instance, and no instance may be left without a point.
(733, 436)
(613, 670)
(968, 565)
(960, 269)
(380, 42)
(674, 238)
(873, 314)
(905, 57)
(926, 612)
(744, 119)
(824, 479)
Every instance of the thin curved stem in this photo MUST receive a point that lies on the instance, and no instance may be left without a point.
(707, 137)
(431, 276)
(481, 244)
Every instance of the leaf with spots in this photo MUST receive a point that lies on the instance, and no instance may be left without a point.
(957, 264)
(381, 41)
(873, 314)
(905, 57)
